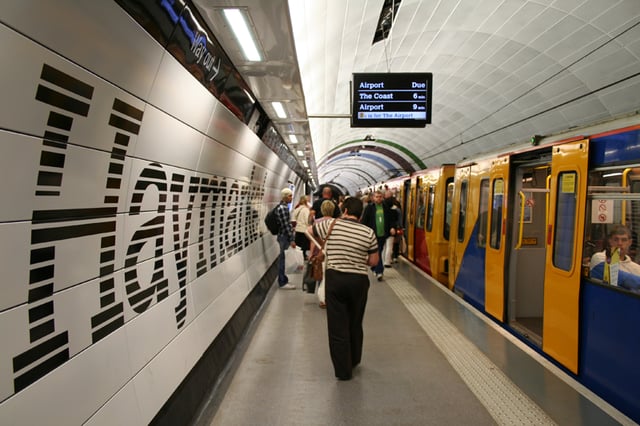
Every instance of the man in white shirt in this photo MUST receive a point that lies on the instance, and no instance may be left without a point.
(629, 272)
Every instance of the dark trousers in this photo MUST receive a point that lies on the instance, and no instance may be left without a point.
(346, 298)
(379, 268)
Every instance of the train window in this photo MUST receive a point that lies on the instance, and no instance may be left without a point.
(483, 212)
(431, 197)
(448, 203)
(422, 198)
(613, 200)
(565, 219)
(495, 232)
(462, 213)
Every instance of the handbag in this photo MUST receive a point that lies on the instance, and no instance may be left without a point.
(317, 260)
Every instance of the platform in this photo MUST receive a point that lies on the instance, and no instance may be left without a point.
(428, 359)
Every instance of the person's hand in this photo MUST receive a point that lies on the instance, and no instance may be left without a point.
(293, 244)
(392, 231)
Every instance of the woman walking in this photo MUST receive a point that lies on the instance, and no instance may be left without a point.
(350, 249)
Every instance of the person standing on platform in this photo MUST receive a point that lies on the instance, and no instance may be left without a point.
(350, 249)
(285, 237)
(327, 209)
(392, 204)
(379, 217)
(327, 194)
(301, 218)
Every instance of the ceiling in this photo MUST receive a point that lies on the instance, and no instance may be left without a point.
(503, 71)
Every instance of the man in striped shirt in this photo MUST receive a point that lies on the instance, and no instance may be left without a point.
(351, 249)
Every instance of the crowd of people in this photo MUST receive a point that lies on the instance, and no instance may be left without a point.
(358, 236)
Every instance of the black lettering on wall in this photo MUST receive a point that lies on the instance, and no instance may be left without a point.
(181, 246)
(48, 348)
(228, 221)
(151, 232)
(126, 120)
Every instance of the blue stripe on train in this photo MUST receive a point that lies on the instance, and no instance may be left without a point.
(470, 279)
(616, 148)
(610, 345)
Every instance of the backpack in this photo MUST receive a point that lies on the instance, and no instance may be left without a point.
(271, 220)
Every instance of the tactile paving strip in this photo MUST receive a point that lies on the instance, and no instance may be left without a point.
(506, 403)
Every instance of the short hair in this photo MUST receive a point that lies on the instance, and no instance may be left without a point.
(353, 206)
(619, 230)
(327, 208)
(285, 193)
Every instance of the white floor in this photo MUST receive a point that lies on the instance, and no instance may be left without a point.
(427, 360)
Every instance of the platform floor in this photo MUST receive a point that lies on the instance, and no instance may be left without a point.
(428, 359)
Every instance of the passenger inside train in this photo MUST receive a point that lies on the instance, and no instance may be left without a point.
(614, 218)
(628, 272)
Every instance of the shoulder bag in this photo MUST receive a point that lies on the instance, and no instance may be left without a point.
(316, 261)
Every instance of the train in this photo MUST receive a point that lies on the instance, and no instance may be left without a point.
(512, 233)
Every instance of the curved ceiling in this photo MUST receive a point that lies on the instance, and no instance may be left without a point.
(503, 71)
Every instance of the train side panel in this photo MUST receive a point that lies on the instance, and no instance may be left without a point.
(609, 316)
(468, 241)
(431, 238)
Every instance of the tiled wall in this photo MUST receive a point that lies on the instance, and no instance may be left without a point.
(131, 219)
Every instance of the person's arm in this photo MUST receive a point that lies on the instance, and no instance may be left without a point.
(373, 258)
(628, 280)
(597, 271)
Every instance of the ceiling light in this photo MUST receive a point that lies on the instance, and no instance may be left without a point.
(277, 106)
(304, 163)
(293, 138)
(300, 153)
(238, 20)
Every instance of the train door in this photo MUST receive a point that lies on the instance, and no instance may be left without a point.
(496, 252)
(425, 193)
(411, 214)
(527, 248)
(568, 193)
(457, 241)
(406, 211)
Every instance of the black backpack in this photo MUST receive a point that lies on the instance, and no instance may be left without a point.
(271, 220)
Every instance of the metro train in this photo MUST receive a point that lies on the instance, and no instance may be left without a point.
(512, 233)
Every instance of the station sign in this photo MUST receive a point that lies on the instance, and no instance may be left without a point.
(391, 99)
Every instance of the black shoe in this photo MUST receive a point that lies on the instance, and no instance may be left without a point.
(344, 378)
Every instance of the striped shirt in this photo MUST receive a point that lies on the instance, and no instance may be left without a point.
(349, 245)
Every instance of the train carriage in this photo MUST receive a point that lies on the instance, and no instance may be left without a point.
(428, 228)
(524, 228)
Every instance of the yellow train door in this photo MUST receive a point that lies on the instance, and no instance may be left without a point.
(494, 298)
(458, 238)
(410, 226)
(568, 193)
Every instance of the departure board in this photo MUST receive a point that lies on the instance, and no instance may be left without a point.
(391, 99)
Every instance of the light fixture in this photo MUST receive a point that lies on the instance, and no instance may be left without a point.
(304, 163)
(238, 20)
(293, 139)
(300, 153)
(279, 109)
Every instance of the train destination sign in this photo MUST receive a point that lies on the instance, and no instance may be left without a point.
(391, 99)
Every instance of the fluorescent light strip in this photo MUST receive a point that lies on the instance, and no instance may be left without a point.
(293, 139)
(300, 153)
(238, 22)
(277, 106)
